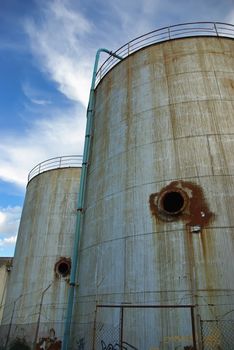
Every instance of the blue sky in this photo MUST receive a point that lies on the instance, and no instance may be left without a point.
(47, 50)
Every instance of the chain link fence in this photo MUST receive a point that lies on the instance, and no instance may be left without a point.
(107, 328)
(126, 328)
(106, 335)
(129, 327)
(82, 336)
(217, 335)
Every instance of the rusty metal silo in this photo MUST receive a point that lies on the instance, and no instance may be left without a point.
(156, 252)
(37, 289)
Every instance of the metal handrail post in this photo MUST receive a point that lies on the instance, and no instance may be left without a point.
(169, 33)
(172, 32)
(216, 30)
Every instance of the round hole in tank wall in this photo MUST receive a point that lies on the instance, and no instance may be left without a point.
(63, 267)
(172, 202)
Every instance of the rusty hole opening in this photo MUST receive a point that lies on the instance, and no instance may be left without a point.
(173, 202)
(63, 267)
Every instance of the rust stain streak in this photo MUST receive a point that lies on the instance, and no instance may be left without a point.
(194, 212)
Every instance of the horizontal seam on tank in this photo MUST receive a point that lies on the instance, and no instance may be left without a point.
(160, 141)
(163, 77)
(209, 176)
(207, 228)
(183, 137)
(183, 73)
(98, 167)
(187, 291)
(165, 179)
(217, 99)
(45, 256)
(138, 120)
(189, 136)
(123, 238)
(171, 291)
(200, 71)
(177, 300)
(179, 230)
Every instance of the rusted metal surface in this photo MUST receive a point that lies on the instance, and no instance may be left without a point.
(181, 30)
(163, 121)
(45, 237)
(194, 211)
(5, 269)
(62, 267)
(163, 125)
(55, 163)
(51, 342)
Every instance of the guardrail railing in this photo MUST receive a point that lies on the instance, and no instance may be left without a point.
(163, 34)
(55, 163)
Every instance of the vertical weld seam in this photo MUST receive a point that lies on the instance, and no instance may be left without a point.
(210, 155)
(217, 83)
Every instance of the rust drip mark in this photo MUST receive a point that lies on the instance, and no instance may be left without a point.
(229, 83)
(181, 200)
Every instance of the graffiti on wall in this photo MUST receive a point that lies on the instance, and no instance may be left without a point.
(80, 344)
(116, 346)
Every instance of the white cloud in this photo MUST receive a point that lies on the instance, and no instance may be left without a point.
(35, 95)
(58, 133)
(64, 40)
(8, 241)
(2, 218)
(135, 18)
(7, 245)
(42, 102)
(9, 223)
(58, 43)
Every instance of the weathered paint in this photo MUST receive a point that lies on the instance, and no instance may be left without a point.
(5, 270)
(162, 116)
(45, 236)
(194, 212)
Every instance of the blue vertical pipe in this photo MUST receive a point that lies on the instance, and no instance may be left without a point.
(80, 207)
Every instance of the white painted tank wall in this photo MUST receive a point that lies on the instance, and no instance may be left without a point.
(45, 235)
(163, 114)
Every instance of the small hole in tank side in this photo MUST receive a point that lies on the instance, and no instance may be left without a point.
(181, 200)
(63, 267)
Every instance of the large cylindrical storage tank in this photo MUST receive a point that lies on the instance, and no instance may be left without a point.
(156, 253)
(38, 286)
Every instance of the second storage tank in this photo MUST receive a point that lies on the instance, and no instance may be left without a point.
(36, 301)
